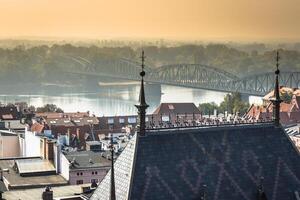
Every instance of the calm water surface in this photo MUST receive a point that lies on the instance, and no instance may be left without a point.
(111, 101)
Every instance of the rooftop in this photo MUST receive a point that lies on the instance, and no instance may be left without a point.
(86, 159)
(15, 181)
(78, 121)
(29, 166)
(36, 193)
(229, 160)
(177, 108)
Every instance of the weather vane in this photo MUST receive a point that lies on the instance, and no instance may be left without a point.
(143, 64)
(277, 62)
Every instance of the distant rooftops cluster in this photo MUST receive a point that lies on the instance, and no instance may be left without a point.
(174, 153)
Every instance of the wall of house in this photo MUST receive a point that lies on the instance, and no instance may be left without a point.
(64, 167)
(86, 176)
(32, 144)
(9, 146)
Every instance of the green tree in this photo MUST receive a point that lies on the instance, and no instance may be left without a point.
(207, 108)
(49, 108)
(233, 103)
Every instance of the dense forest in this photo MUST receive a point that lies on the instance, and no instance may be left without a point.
(44, 63)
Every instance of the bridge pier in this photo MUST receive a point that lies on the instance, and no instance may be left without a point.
(153, 93)
(245, 97)
(91, 84)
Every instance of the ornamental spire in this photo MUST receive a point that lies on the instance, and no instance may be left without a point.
(112, 171)
(277, 100)
(142, 102)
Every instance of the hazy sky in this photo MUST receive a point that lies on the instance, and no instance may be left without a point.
(183, 19)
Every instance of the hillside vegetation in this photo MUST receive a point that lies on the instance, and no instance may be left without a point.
(46, 63)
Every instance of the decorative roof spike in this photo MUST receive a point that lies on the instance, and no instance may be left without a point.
(142, 102)
(112, 171)
(276, 101)
(261, 195)
(203, 194)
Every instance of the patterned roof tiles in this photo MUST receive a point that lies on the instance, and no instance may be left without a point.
(230, 161)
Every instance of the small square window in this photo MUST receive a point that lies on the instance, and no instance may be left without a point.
(110, 120)
(121, 120)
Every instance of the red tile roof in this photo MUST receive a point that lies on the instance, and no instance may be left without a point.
(177, 108)
(37, 127)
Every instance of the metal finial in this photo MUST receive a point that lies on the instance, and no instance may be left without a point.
(203, 194)
(276, 101)
(142, 73)
(277, 63)
(142, 101)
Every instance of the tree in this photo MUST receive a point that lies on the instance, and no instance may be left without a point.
(233, 103)
(49, 108)
(208, 108)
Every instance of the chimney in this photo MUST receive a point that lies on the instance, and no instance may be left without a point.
(49, 150)
(78, 133)
(69, 136)
(58, 155)
(44, 154)
(47, 194)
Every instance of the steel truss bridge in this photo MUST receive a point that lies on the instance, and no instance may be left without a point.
(187, 75)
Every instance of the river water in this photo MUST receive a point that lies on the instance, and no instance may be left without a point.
(113, 100)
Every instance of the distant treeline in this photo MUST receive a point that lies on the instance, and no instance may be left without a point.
(45, 63)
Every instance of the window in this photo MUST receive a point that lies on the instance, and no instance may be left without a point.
(131, 120)
(121, 120)
(171, 106)
(78, 182)
(77, 174)
(110, 120)
(94, 180)
(81, 173)
(165, 118)
(96, 172)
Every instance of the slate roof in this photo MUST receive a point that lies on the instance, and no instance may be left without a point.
(230, 161)
(123, 168)
(68, 122)
(87, 159)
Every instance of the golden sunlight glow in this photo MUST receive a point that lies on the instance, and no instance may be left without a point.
(185, 19)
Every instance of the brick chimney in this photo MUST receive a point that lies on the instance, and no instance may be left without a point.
(69, 136)
(44, 148)
(78, 133)
(47, 194)
(49, 150)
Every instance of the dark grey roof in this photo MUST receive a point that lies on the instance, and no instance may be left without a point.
(86, 159)
(78, 121)
(123, 169)
(229, 160)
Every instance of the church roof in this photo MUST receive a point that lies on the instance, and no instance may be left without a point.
(123, 168)
(230, 161)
